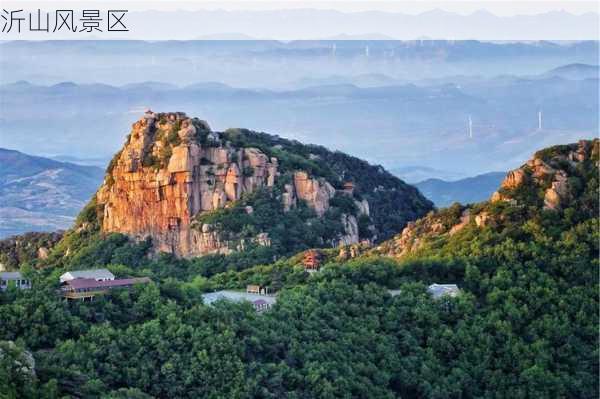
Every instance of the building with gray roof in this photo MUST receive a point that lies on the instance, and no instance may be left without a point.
(96, 274)
(439, 290)
(14, 278)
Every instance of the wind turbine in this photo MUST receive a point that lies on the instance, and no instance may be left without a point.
(470, 127)
(539, 120)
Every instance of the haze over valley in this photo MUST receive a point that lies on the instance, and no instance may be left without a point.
(399, 104)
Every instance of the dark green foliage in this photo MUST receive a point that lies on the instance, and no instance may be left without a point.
(90, 214)
(392, 202)
(150, 161)
(344, 203)
(18, 250)
(173, 136)
(165, 155)
(289, 232)
(525, 326)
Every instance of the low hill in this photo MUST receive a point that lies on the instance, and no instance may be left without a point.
(558, 182)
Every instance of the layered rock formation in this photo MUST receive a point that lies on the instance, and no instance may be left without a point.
(174, 168)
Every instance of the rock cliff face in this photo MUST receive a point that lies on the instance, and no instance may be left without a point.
(174, 168)
(164, 176)
(552, 180)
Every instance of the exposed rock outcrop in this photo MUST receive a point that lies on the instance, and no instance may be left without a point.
(549, 171)
(316, 192)
(146, 195)
(542, 182)
(174, 168)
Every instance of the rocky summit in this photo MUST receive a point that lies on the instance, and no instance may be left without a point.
(561, 179)
(194, 191)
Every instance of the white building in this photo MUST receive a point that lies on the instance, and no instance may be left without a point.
(96, 274)
(439, 290)
(13, 278)
(260, 302)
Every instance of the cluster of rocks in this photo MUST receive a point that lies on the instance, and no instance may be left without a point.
(549, 174)
(546, 171)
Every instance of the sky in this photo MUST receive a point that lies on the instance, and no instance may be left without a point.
(309, 20)
(497, 7)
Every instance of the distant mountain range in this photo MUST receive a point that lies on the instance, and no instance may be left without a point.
(416, 173)
(260, 63)
(395, 125)
(465, 191)
(576, 71)
(41, 194)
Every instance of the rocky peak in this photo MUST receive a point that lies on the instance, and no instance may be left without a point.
(548, 172)
(174, 169)
(552, 179)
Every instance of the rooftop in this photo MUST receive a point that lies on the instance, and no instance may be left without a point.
(11, 276)
(439, 290)
(236, 296)
(91, 273)
(86, 283)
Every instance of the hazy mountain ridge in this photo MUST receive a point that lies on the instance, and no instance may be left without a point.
(576, 71)
(186, 62)
(40, 194)
(465, 191)
(401, 119)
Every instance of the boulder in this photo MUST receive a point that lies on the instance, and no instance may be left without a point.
(316, 192)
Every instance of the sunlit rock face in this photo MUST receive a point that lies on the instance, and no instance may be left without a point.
(173, 168)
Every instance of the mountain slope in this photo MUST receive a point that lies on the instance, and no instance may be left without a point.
(559, 182)
(524, 323)
(40, 194)
(471, 189)
(197, 192)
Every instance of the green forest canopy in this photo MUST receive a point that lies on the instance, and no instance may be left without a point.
(524, 326)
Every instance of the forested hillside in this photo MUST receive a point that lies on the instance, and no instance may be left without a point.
(523, 326)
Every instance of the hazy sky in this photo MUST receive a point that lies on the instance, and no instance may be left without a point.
(302, 20)
(498, 7)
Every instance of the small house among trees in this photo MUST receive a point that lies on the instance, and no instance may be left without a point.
(260, 305)
(94, 274)
(13, 279)
(440, 290)
(87, 288)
